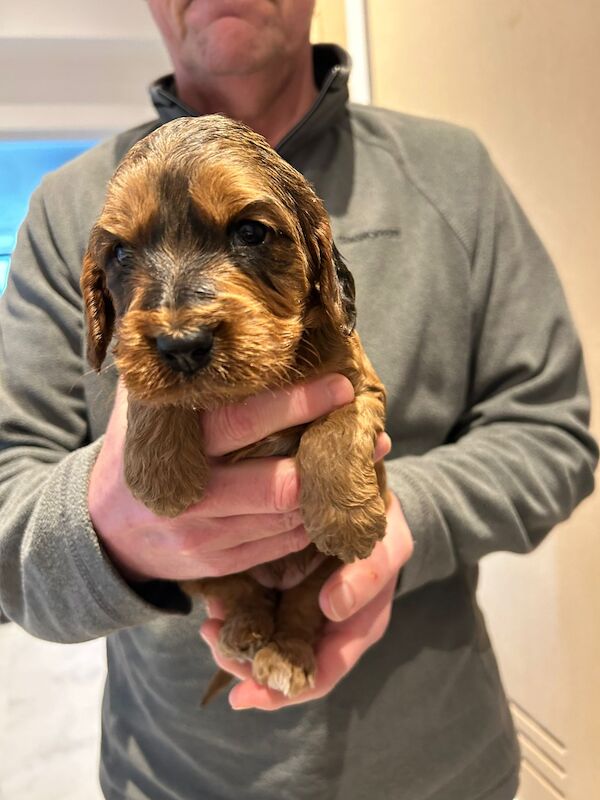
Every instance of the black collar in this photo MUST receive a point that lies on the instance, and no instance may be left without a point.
(332, 69)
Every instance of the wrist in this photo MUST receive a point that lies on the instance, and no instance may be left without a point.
(128, 572)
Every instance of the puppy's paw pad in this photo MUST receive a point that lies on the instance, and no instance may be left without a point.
(288, 667)
(243, 635)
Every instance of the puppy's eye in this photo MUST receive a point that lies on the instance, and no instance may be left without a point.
(249, 232)
(121, 254)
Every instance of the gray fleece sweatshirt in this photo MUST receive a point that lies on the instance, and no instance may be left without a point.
(464, 319)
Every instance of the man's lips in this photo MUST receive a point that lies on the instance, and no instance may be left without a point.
(213, 11)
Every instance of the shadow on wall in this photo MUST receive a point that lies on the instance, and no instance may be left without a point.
(22, 166)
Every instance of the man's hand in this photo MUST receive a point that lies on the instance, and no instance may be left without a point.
(250, 512)
(358, 601)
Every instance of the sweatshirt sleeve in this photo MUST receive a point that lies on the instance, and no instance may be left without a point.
(55, 579)
(520, 457)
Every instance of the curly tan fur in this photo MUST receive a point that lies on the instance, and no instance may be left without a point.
(163, 261)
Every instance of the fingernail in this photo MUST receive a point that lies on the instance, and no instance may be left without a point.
(341, 601)
(340, 390)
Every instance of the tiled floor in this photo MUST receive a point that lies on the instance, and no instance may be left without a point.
(49, 717)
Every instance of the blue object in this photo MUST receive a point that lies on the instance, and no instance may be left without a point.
(4, 265)
(22, 165)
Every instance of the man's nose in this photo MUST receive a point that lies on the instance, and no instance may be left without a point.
(186, 353)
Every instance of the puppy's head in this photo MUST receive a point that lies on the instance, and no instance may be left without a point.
(211, 261)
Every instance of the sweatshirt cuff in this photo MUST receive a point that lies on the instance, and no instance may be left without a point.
(112, 602)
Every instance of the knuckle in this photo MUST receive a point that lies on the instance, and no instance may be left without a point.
(297, 539)
(237, 425)
(286, 490)
(290, 520)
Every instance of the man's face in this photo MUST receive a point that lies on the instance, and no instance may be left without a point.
(231, 37)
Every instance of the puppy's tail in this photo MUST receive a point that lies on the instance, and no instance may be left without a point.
(218, 682)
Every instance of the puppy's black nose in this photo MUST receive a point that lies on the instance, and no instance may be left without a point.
(187, 353)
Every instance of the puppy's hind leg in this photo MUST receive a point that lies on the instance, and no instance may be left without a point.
(249, 612)
(288, 663)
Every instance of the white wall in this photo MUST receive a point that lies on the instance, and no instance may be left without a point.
(76, 68)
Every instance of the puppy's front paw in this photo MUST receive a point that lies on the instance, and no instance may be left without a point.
(346, 532)
(288, 666)
(160, 492)
(165, 466)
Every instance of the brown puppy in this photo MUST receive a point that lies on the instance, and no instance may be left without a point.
(213, 264)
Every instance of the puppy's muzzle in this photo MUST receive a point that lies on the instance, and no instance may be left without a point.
(187, 353)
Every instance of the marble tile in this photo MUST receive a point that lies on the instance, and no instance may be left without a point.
(50, 698)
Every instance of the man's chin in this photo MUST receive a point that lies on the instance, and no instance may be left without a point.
(232, 46)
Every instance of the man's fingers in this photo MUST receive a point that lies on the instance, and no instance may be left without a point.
(209, 631)
(338, 651)
(223, 533)
(229, 428)
(354, 585)
(383, 445)
(119, 412)
(245, 556)
(255, 486)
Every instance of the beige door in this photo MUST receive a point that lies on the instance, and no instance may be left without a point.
(525, 75)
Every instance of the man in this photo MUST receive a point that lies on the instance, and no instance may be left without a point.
(487, 415)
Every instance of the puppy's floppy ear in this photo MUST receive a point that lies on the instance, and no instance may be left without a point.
(347, 291)
(99, 309)
(333, 280)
